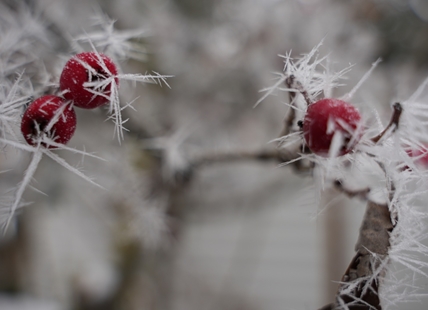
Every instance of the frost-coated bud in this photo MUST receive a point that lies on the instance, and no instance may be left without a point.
(48, 116)
(326, 118)
(87, 79)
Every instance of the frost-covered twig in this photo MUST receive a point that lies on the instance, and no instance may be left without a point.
(276, 155)
(360, 283)
(392, 230)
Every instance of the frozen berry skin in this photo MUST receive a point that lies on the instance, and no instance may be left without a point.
(76, 73)
(38, 115)
(324, 118)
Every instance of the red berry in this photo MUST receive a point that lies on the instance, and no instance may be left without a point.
(40, 113)
(326, 117)
(77, 71)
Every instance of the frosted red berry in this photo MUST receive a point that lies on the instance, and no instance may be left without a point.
(88, 68)
(40, 113)
(326, 117)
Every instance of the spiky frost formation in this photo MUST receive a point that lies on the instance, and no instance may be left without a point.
(23, 38)
(408, 254)
(308, 79)
(119, 45)
(405, 192)
(21, 34)
(311, 71)
(400, 185)
(12, 101)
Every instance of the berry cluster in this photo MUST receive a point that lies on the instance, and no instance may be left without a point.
(87, 81)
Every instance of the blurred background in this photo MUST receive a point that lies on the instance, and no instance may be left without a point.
(234, 235)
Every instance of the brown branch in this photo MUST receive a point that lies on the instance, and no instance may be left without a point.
(291, 82)
(371, 250)
(289, 119)
(304, 93)
(395, 119)
(277, 155)
(359, 285)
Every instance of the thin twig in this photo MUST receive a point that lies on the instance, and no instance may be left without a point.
(258, 155)
(304, 93)
(359, 286)
(291, 82)
(289, 119)
(395, 119)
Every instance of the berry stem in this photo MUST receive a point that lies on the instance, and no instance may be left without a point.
(395, 119)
